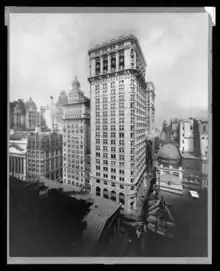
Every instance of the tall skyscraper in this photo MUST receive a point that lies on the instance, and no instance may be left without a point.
(118, 120)
(150, 110)
(76, 131)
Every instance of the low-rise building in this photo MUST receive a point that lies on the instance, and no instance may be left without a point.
(18, 155)
(44, 155)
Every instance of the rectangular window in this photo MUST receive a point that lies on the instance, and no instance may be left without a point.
(121, 112)
(113, 149)
(113, 156)
(105, 134)
(105, 100)
(112, 91)
(105, 141)
(112, 84)
(105, 148)
(105, 127)
(113, 106)
(105, 113)
(113, 99)
(105, 162)
(105, 155)
(121, 97)
(121, 105)
(113, 134)
(105, 120)
(121, 157)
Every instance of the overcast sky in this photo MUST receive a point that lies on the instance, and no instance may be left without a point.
(48, 50)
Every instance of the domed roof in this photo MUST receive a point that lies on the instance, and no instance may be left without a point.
(169, 152)
(63, 93)
(30, 104)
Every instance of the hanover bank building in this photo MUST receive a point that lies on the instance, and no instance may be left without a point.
(118, 120)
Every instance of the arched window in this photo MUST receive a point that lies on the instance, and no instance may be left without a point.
(98, 191)
(113, 195)
(122, 198)
(105, 193)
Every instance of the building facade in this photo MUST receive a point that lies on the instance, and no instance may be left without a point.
(203, 132)
(18, 155)
(23, 116)
(150, 107)
(76, 132)
(186, 135)
(118, 125)
(31, 115)
(44, 155)
(17, 114)
(175, 129)
(63, 99)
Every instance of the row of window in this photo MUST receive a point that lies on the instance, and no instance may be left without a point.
(113, 85)
(112, 120)
(112, 99)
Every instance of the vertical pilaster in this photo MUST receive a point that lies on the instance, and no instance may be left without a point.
(117, 61)
(9, 164)
(93, 66)
(101, 65)
(109, 63)
(50, 168)
(14, 165)
(24, 167)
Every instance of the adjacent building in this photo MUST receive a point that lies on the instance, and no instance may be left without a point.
(175, 129)
(23, 116)
(63, 99)
(76, 133)
(118, 125)
(18, 155)
(203, 129)
(44, 155)
(186, 135)
(17, 115)
(150, 107)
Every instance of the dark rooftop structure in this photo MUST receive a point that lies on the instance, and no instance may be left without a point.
(101, 211)
(19, 135)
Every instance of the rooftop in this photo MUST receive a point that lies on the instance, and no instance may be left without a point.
(189, 155)
(19, 135)
(100, 211)
(116, 40)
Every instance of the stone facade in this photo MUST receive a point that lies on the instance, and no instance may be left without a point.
(76, 132)
(44, 155)
(118, 100)
(150, 107)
